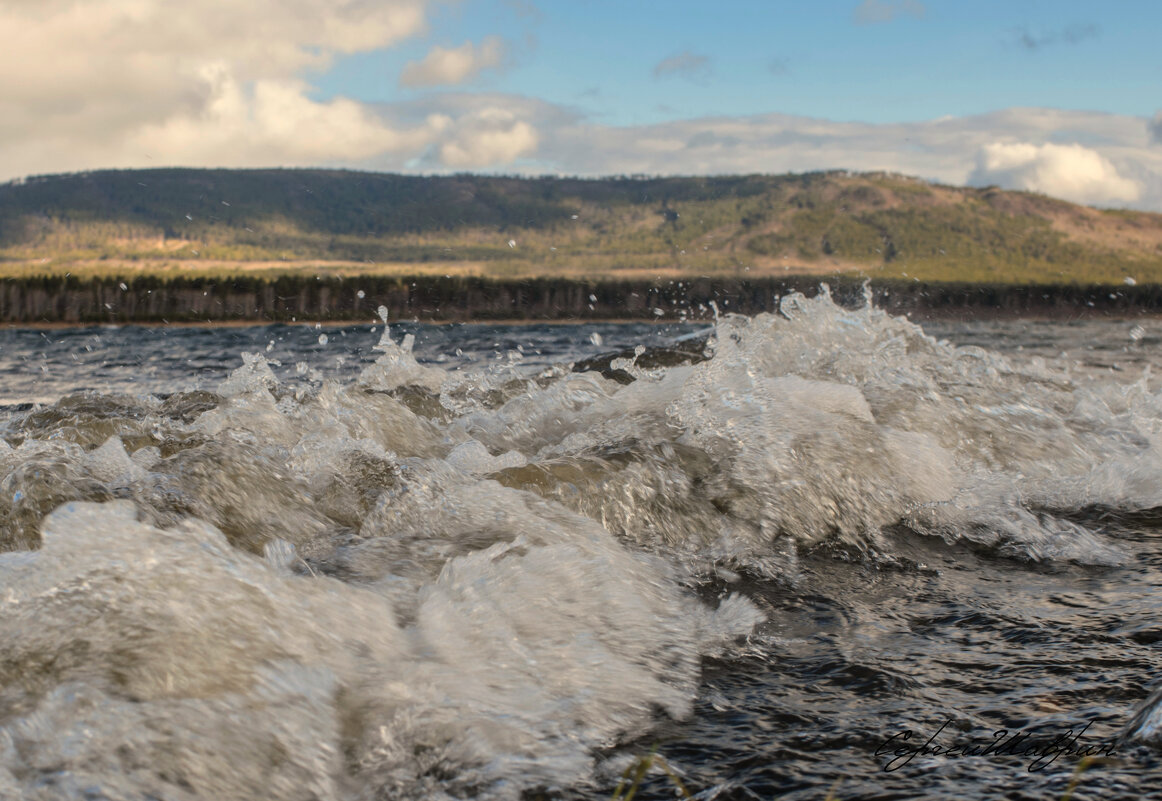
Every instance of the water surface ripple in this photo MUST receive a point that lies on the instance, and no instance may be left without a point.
(438, 562)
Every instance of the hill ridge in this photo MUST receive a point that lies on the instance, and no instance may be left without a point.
(178, 221)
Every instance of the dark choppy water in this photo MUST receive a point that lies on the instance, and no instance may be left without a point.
(327, 571)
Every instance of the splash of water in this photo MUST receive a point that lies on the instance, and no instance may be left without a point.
(427, 584)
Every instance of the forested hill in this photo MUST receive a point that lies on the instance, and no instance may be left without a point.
(180, 222)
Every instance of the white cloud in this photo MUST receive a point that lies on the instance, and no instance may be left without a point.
(1071, 172)
(139, 83)
(486, 138)
(442, 66)
(945, 150)
(242, 126)
(85, 83)
(136, 83)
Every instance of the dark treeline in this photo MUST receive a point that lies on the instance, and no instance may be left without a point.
(343, 201)
(191, 300)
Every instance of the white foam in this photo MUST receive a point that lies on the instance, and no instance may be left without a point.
(515, 552)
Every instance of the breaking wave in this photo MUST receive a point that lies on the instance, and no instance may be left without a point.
(427, 583)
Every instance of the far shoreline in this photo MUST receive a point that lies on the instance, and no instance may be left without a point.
(916, 317)
(57, 301)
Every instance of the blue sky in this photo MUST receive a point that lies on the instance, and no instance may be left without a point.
(811, 59)
(1058, 97)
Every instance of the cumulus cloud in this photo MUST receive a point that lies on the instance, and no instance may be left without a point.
(1071, 172)
(137, 82)
(487, 137)
(947, 150)
(686, 64)
(872, 11)
(151, 55)
(443, 66)
(244, 125)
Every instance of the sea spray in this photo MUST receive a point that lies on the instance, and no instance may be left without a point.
(426, 583)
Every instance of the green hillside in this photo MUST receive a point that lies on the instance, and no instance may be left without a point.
(180, 222)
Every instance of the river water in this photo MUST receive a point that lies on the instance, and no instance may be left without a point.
(809, 556)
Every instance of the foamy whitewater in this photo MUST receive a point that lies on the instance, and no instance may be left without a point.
(764, 554)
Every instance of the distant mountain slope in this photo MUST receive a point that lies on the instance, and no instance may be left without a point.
(179, 221)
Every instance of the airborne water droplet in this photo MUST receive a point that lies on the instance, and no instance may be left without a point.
(322, 339)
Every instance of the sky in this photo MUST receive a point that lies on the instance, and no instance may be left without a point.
(1061, 97)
